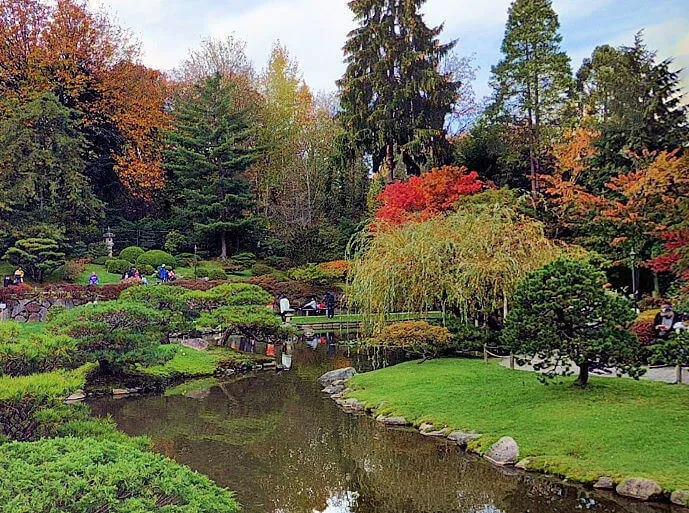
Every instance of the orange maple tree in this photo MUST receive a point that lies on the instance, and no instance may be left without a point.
(90, 64)
(425, 196)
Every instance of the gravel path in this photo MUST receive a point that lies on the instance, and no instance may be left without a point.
(666, 374)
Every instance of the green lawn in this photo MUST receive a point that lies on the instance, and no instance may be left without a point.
(298, 320)
(616, 427)
(182, 272)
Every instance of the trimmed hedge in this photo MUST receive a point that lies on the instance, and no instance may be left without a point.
(155, 258)
(117, 266)
(217, 275)
(131, 253)
(79, 475)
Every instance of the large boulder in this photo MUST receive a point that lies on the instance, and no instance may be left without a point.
(504, 452)
(604, 483)
(340, 374)
(643, 489)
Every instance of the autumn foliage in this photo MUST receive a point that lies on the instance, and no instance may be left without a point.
(425, 196)
(90, 65)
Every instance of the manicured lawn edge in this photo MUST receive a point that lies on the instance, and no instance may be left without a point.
(617, 428)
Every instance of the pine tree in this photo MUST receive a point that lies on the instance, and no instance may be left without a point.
(533, 78)
(209, 152)
(394, 99)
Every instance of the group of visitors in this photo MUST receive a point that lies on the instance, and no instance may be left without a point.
(326, 306)
(16, 279)
(668, 321)
(163, 275)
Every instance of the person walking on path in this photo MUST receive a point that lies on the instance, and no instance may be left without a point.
(162, 274)
(329, 301)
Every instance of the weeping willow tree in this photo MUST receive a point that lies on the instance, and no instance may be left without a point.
(469, 261)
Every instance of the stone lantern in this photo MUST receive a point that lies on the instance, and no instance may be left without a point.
(109, 237)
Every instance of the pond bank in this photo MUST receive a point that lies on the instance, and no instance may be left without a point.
(615, 429)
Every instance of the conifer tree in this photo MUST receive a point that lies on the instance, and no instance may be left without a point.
(533, 78)
(635, 103)
(394, 99)
(209, 150)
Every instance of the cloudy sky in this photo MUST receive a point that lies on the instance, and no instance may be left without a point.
(314, 31)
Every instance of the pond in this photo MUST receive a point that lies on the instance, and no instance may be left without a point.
(285, 448)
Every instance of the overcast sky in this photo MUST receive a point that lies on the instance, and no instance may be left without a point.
(314, 31)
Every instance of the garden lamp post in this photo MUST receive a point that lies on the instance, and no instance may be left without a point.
(109, 237)
(635, 285)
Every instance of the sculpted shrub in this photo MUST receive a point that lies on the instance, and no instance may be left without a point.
(253, 322)
(102, 475)
(117, 266)
(155, 258)
(414, 337)
(116, 334)
(32, 354)
(131, 253)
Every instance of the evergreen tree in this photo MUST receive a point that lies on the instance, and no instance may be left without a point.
(394, 99)
(209, 150)
(532, 80)
(42, 162)
(635, 103)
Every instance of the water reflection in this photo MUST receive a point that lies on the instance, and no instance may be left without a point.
(284, 448)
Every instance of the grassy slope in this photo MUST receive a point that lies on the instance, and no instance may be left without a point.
(106, 278)
(616, 427)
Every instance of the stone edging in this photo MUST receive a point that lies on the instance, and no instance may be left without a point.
(505, 452)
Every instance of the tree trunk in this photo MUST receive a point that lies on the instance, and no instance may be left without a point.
(223, 245)
(583, 378)
(389, 164)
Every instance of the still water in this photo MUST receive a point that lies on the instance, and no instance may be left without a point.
(285, 448)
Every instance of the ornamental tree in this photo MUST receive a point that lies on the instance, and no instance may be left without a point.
(39, 257)
(113, 333)
(425, 196)
(562, 316)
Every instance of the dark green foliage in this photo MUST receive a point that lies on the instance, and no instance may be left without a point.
(23, 398)
(131, 253)
(217, 275)
(117, 266)
(674, 351)
(155, 258)
(146, 270)
(38, 257)
(635, 102)
(97, 250)
(253, 322)
(533, 78)
(466, 337)
(245, 259)
(209, 150)
(169, 300)
(229, 294)
(27, 354)
(393, 97)
(98, 475)
(114, 333)
(175, 241)
(42, 157)
(260, 269)
(561, 314)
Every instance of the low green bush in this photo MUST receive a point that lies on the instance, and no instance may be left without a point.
(35, 353)
(24, 398)
(227, 294)
(88, 474)
(167, 299)
(245, 260)
(131, 253)
(155, 258)
(184, 363)
(72, 269)
(217, 275)
(467, 337)
(202, 272)
(260, 269)
(146, 270)
(117, 266)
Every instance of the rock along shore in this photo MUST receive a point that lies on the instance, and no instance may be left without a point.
(504, 452)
